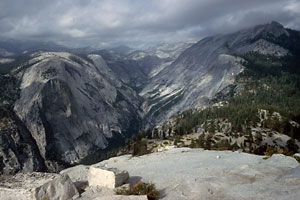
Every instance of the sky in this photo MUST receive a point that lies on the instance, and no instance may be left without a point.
(106, 23)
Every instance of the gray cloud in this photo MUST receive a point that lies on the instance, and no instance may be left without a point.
(101, 23)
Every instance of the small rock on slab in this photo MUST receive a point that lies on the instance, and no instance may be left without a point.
(37, 186)
(107, 177)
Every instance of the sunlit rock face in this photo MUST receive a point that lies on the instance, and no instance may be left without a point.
(71, 106)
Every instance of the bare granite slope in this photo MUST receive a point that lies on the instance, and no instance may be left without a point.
(71, 106)
(205, 69)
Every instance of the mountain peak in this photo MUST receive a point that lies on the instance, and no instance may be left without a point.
(275, 28)
(275, 23)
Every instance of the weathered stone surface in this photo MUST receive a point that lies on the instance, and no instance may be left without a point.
(78, 175)
(194, 174)
(292, 174)
(107, 177)
(60, 188)
(18, 152)
(205, 69)
(122, 197)
(71, 106)
(37, 186)
(92, 192)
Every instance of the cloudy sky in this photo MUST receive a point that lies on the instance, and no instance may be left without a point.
(103, 23)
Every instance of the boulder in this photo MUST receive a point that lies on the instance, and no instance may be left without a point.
(60, 188)
(107, 177)
(78, 175)
(37, 186)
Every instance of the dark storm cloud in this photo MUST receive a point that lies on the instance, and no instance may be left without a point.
(107, 22)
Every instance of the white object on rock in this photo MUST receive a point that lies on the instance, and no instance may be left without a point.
(217, 156)
(165, 148)
(110, 177)
(37, 186)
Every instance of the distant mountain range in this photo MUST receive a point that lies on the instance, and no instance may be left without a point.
(64, 104)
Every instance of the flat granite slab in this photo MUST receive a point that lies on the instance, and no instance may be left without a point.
(197, 174)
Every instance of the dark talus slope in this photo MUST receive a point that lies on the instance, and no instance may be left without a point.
(71, 106)
(206, 68)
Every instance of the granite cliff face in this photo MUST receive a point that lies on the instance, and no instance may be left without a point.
(18, 150)
(71, 106)
(205, 69)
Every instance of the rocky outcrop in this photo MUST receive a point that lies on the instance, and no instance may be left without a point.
(110, 178)
(71, 105)
(18, 150)
(37, 186)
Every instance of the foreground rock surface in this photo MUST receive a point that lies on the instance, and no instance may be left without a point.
(122, 197)
(185, 173)
(103, 177)
(37, 186)
(78, 175)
